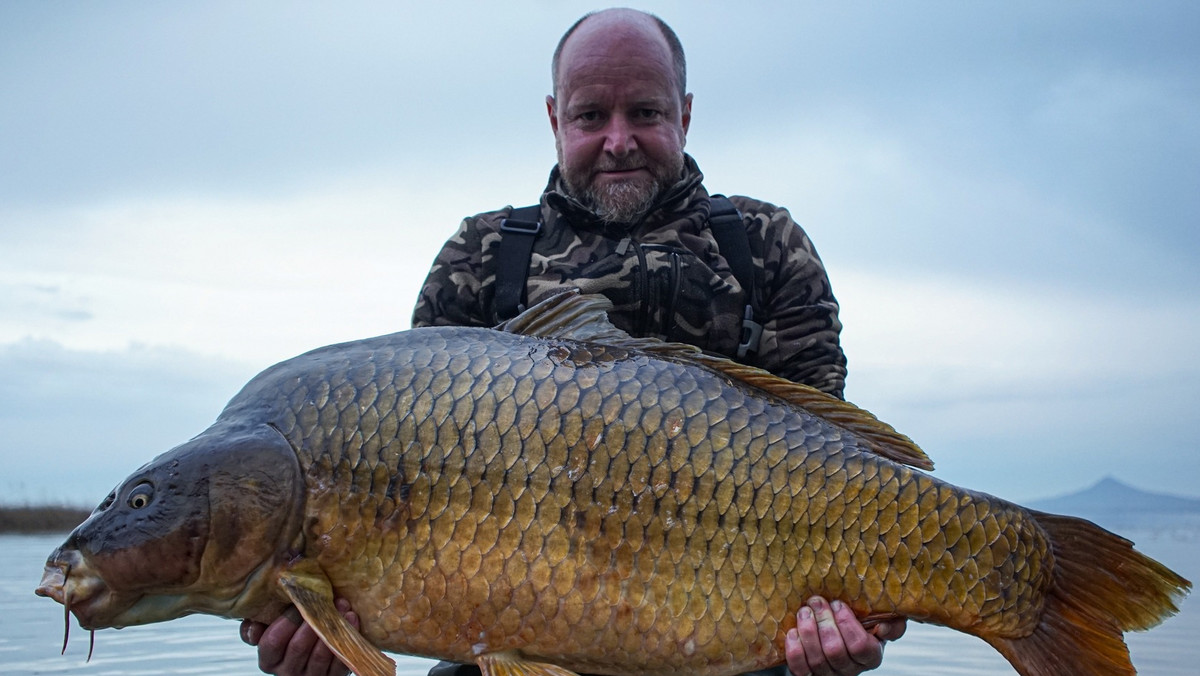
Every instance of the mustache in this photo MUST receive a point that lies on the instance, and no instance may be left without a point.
(623, 164)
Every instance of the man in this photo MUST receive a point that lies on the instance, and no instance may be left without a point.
(625, 215)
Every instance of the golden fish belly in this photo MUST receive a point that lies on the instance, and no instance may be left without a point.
(577, 502)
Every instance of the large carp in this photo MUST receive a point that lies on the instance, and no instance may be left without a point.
(559, 496)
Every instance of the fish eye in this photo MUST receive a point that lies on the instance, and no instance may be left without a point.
(141, 495)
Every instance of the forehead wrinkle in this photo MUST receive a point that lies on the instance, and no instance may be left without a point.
(610, 84)
(617, 68)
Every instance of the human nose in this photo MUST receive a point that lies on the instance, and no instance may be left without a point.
(619, 139)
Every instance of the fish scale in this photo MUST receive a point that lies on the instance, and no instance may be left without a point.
(501, 473)
(557, 493)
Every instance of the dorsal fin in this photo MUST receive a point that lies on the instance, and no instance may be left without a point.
(878, 436)
(573, 315)
(569, 315)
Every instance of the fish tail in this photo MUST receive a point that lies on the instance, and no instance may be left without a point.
(1101, 588)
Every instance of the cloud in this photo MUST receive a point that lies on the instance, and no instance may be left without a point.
(30, 304)
(77, 422)
(872, 195)
(1034, 141)
(229, 97)
(1025, 392)
(249, 278)
(1004, 197)
(1022, 336)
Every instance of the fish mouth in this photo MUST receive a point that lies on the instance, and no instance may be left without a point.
(71, 581)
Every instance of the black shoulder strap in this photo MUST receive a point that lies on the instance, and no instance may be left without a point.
(730, 232)
(517, 233)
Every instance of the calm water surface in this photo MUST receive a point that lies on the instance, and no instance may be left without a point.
(31, 631)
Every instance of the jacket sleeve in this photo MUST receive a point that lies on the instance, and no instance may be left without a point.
(451, 294)
(801, 338)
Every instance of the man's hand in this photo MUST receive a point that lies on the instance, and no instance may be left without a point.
(829, 640)
(289, 647)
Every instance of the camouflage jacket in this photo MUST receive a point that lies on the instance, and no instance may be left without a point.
(664, 275)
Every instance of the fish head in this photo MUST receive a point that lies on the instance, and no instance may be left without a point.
(197, 529)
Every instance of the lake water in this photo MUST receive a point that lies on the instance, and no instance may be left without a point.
(31, 630)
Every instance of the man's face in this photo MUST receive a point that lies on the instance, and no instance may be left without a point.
(619, 124)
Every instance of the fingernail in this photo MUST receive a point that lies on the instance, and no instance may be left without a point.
(836, 605)
(806, 613)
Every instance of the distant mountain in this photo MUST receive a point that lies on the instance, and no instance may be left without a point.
(1113, 502)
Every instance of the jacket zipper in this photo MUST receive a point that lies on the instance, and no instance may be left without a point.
(669, 322)
(643, 282)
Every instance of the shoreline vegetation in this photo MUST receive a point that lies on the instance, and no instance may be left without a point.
(28, 520)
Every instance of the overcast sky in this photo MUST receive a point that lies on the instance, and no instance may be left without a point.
(1006, 195)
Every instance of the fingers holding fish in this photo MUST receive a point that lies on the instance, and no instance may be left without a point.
(864, 649)
(251, 632)
(829, 640)
(889, 630)
(290, 647)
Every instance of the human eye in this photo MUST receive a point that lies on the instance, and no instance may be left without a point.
(647, 114)
(589, 118)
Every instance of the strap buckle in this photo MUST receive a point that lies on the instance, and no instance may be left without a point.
(751, 334)
(520, 227)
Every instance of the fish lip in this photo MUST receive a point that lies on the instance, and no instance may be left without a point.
(52, 588)
(56, 576)
(69, 580)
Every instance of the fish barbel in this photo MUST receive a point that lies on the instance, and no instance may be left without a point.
(558, 496)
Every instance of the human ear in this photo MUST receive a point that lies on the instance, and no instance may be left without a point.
(686, 113)
(550, 110)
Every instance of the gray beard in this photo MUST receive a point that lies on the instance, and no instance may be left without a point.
(624, 202)
(621, 203)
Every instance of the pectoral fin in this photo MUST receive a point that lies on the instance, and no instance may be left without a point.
(513, 664)
(313, 596)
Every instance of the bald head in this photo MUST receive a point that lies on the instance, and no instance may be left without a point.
(630, 24)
